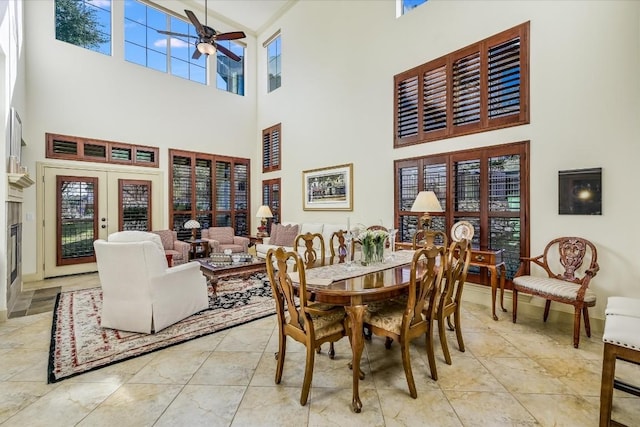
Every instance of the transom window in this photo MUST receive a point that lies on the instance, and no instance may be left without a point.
(478, 88)
(230, 73)
(274, 68)
(85, 23)
(168, 54)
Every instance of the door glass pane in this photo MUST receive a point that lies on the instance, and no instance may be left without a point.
(77, 202)
(135, 205)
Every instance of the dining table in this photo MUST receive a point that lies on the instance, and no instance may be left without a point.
(353, 286)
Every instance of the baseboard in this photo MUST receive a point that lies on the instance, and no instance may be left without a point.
(3, 316)
(527, 305)
(33, 277)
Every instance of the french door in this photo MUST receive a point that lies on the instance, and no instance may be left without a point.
(82, 205)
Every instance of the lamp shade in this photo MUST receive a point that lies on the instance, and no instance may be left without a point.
(264, 212)
(191, 224)
(426, 201)
(206, 48)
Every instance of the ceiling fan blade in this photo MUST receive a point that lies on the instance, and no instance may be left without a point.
(227, 52)
(196, 54)
(169, 33)
(195, 22)
(231, 36)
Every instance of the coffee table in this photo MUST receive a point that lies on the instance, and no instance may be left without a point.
(242, 269)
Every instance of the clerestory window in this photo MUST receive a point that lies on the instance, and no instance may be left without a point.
(84, 23)
(274, 67)
(230, 73)
(143, 45)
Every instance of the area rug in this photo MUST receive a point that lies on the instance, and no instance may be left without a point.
(79, 344)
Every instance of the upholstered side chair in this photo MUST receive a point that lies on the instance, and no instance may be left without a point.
(178, 249)
(569, 263)
(221, 238)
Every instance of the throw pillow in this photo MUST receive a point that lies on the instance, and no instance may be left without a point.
(285, 235)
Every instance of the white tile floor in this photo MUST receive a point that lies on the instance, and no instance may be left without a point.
(511, 374)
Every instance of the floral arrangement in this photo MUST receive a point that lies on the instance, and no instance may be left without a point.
(372, 245)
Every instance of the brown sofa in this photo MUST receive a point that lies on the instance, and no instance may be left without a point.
(221, 238)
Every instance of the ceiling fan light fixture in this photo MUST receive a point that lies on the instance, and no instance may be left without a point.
(206, 48)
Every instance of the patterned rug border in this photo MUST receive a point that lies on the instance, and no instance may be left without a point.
(51, 378)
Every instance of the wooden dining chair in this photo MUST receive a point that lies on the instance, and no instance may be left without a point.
(311, 324)
(405, 321)
(338, 247)
(438, 237)
(458, 259)
(313, 245)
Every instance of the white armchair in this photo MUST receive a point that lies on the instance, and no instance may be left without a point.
(140, 293)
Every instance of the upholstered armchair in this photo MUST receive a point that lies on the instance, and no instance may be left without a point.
(221, 238)
(140, 293)
(179, 250)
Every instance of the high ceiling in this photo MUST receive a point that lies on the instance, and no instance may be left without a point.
(249, 15)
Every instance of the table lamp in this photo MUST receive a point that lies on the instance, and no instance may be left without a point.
(192, 225)
(426, 202)
(263, 213)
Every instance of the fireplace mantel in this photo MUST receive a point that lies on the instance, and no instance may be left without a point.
(17, 183)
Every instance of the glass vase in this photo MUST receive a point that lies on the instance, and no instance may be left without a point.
(368, 253)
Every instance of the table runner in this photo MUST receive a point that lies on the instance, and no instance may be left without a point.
(325, 275)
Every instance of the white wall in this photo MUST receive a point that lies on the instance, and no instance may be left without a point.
(336, 106)
(12, 94)
(74, 91)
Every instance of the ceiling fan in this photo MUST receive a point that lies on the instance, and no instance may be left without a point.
(207, 37)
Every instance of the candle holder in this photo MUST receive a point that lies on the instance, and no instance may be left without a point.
(392, 243)
(348, 240)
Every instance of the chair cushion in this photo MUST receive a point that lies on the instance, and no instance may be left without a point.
(557, 287)
(622, 331)
(284, 235)
(386, 315)
(623, 306)
(328, 324)
(233, 247)
(224, 235)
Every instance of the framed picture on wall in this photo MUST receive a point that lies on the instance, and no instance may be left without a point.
(580, 192)
(328, 189)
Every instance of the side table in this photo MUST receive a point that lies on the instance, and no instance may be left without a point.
(254, 240)
(492, 260)
(199, 249)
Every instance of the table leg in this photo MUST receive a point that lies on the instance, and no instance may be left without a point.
(494, 290)
(503, 274)
(356, 313)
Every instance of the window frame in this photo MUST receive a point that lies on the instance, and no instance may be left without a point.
(234, 209)
(407, 104)
(272, 158)
(275, 38)
(272, 198)
(447, 197)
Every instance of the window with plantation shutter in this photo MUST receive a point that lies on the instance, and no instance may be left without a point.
(481, 87)
(210, 188)
(487, 187)
(271, 198)
(271, 148)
